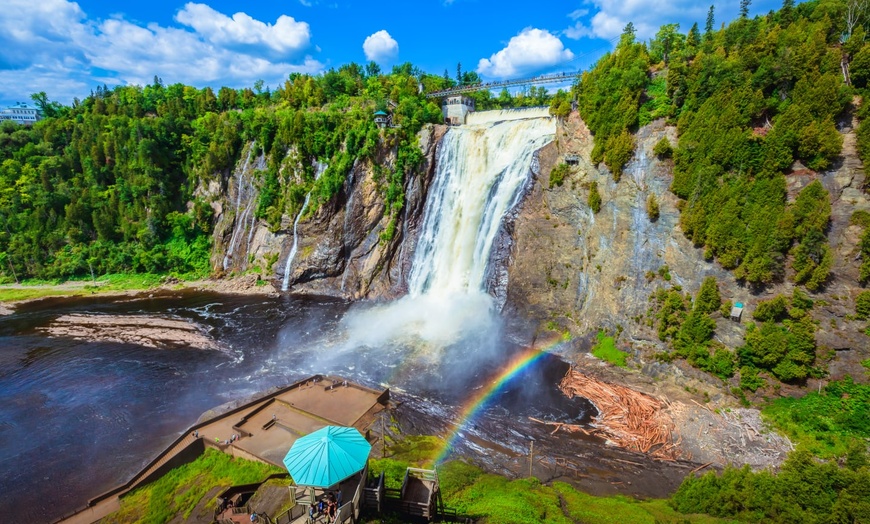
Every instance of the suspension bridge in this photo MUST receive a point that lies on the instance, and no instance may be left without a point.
(551, 78)
(534, 80)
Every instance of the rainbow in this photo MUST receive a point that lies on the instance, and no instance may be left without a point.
(475, 404)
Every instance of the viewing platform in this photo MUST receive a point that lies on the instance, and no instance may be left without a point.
(262, 429)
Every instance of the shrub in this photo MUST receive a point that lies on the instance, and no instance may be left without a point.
(862, 305)
(750, 380)
(860, 218)
(652, 207)
(825, 422)
(663, 148)
(558, 174)
(805, 490)
(594, 199)
(606, 350)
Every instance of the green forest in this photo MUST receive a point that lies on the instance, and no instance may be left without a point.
(109, 184)
(749, 100)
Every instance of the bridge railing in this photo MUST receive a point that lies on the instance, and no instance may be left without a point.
(540, 79)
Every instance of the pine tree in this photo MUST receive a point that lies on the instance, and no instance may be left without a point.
(627, 35)
(744, 8)
(459, 73)
(708, 28)
(786, 12)
(693, 39)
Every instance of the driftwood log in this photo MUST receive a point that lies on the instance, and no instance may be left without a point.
(628, 418)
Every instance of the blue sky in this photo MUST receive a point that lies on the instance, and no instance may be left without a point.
(67, 48)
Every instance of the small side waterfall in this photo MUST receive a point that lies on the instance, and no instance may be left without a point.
(240, 218)
(319, 168)
(480, 173)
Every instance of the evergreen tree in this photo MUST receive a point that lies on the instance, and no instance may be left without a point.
(459, 73)
(744, 8)
(708, 27)
(594, 198)
(628, 33)
(785, 13)
(708, 299)
(693, 39)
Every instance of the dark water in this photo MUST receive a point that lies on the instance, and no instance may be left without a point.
(78, 418)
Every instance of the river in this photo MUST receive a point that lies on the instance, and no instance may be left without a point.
(78, 418)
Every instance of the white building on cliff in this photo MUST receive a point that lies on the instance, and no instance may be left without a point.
(20, 113)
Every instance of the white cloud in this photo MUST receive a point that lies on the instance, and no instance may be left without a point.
(380, 47)
(611, 16)
(53, 46)
(286, 36)
(577, 13)
(530, 50)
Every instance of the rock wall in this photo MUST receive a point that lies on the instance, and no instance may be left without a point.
(340, 247)
(237, 232)
(578, 271)
(340, 250)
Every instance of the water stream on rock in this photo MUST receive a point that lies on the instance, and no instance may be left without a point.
(240, 215)
(319, 168)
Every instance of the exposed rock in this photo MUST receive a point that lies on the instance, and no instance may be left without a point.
(583, 270)
(148, 331)
(243, 285)
(341, 251)
(236, 225)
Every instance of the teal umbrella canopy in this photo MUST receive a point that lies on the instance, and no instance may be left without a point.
(327, 456)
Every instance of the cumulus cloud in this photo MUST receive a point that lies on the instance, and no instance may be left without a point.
(380, 47)
(285, 36)
(530, 50)
(609, 17)
(53, 46)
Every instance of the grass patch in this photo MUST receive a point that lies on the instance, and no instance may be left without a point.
(182, 489)
(31, 289)
(413, 451)
(495, 499)
(824, 423)
(605, 349)
(619, 509)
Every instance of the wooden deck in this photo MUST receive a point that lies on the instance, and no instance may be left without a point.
(265, 429)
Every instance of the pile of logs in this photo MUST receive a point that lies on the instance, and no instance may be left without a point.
(628, 418)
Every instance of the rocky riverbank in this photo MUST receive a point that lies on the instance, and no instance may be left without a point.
(143, 330)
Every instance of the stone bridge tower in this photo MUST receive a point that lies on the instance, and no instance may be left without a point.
(456, 108)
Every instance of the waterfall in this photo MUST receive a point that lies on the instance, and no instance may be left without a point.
(319, 168)
(501, 115)
(239, 220)
(480, 173)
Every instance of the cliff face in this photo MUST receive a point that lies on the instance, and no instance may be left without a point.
(237, 232)
(575, 270)
(584, 270)
(340, 251)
